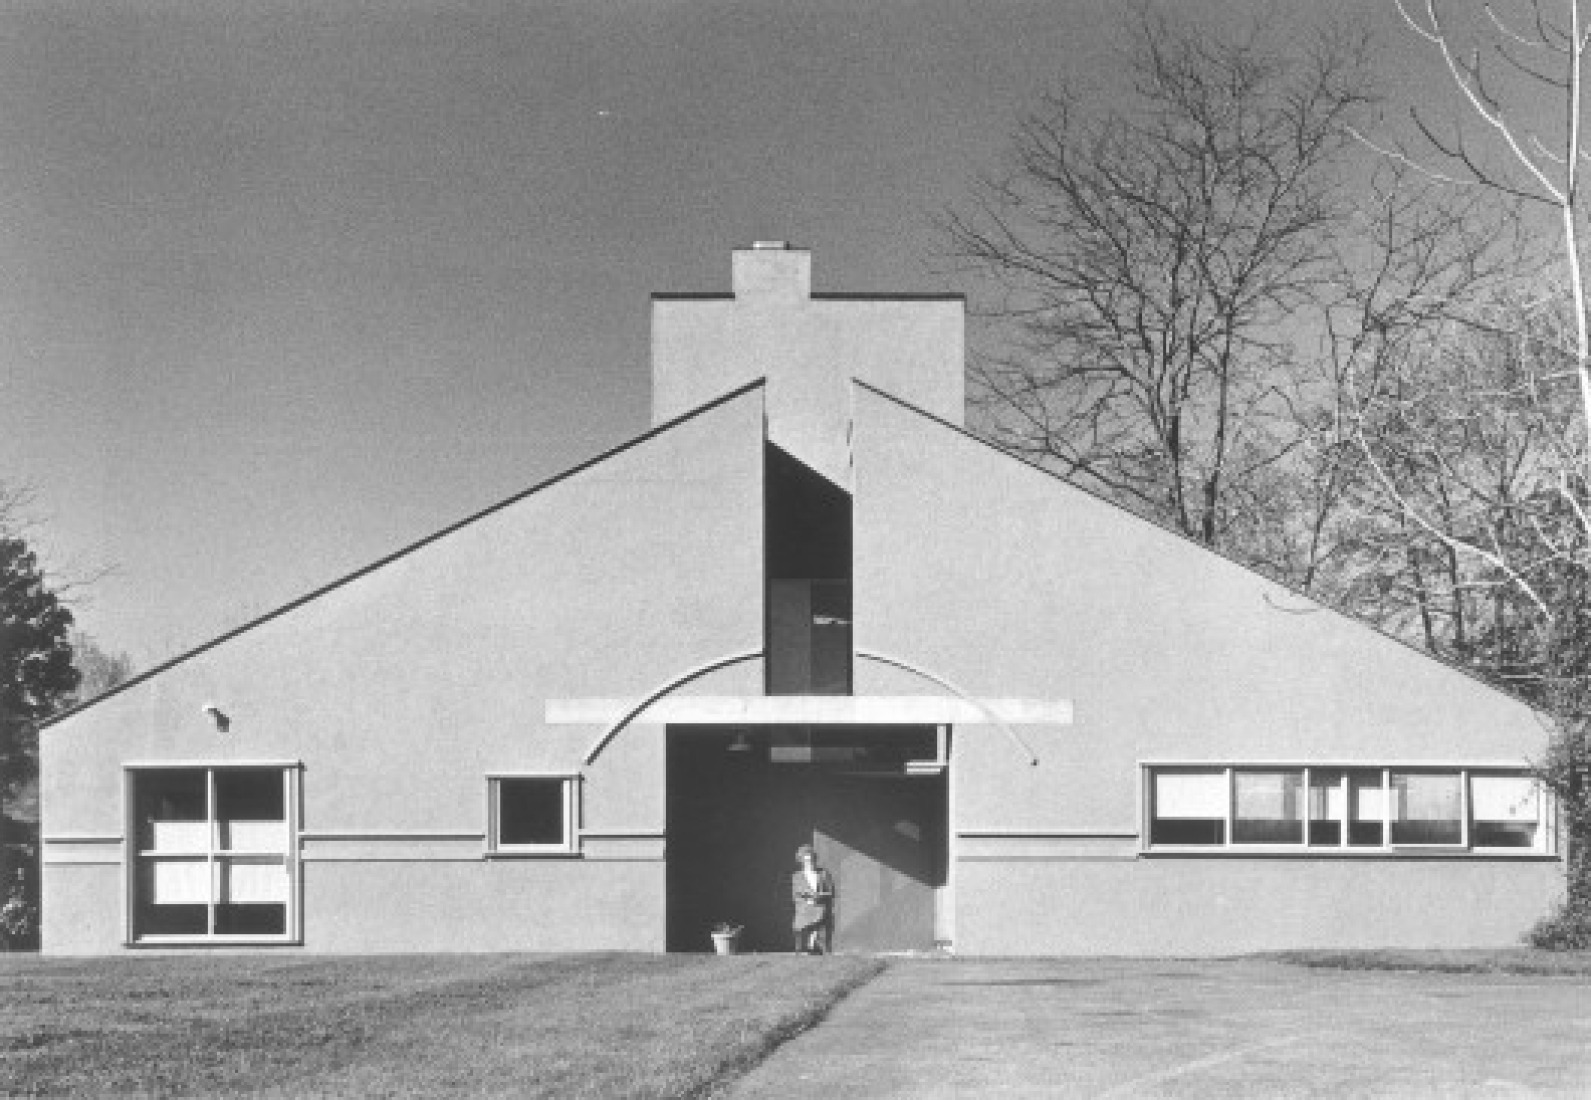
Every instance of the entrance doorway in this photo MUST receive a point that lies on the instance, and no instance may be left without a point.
(741, 802)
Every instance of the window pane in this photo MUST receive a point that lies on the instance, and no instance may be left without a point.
(171, 810)
(1267, 808)
(250, 794)
(252, 809)
(250, 920)
(251, 897)
(1505, 811)
(831, 637)
(530, 811)
(178, 881)
(1190, 794)
(1367, 800)
(1189, 807)
(1427, 808)
(1327, 804)
(251, 880)
(171, 920)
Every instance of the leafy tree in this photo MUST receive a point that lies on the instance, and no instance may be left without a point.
(36, 670)
(36, 677)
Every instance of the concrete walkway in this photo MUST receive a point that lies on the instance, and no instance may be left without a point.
(1128, 1028)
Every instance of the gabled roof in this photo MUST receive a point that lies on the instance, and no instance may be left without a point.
(1319, 604)
(402, 552)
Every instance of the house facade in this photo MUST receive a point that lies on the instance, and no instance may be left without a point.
(805, 607)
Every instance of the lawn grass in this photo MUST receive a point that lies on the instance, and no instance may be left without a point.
(1506, 960)
(609, 1025)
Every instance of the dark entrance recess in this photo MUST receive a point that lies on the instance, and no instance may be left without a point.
(740, 802)
(808, 570)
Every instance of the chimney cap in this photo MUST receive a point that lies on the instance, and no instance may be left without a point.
(770, 246)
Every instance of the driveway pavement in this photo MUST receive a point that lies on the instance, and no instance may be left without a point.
(929, 1029)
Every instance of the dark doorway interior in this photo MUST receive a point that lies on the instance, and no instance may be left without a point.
(740, 802)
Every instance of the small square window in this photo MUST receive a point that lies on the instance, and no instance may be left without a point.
(533, 814)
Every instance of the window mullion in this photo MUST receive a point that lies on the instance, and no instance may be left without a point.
(1386, 807)
(1346, 815)
(1306, 813)
(494, 795)
(1463, 808)
(212, 830)
(1231, 795)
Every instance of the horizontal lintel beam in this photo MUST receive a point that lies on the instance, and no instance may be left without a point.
(813, 710)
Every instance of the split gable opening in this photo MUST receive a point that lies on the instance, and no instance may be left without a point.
(808, 571)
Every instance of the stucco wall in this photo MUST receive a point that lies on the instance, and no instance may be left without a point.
(1007, 582)
(1085, 904)
(400, 690)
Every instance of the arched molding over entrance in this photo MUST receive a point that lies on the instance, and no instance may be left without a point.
(614, 728)
(965, 697)
(803, 709)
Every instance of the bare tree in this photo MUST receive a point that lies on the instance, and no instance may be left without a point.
(99, 669)
(1537, 164)
(1149, 262)
(1406, 263)
(1536, 167)
(1460, 440)
(1514, 505)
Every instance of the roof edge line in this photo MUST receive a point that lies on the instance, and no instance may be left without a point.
(402, 552)
(1291, 589)
(817, 296)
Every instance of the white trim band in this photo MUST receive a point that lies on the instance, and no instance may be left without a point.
(812, 710)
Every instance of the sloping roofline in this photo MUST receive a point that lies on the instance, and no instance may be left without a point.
(1321, 605)
(404, 551)
(634, 441)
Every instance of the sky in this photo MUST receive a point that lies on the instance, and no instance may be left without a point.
(284, 287)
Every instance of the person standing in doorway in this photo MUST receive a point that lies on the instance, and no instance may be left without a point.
(812, 890)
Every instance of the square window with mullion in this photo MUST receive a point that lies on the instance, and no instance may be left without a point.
(1340, 798)
(189, 823)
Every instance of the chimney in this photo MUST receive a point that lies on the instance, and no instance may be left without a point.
(809, 349)
(772, 270)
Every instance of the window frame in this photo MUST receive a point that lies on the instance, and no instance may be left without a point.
(571, 817)
(135, 857)
(1152, 796)
(1546, 814)
(1545, 848)
(1232, 774)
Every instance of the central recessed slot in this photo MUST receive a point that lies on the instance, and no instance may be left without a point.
(808, 569)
